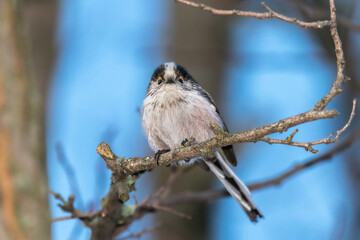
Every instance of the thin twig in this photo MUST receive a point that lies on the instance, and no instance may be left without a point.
(63, 218)
(170, 181)
(347, 125)
(311, 10)
(79, 216)
(265, 15)
(308, 145)
(68, 206)
(152, 202)
(69, 171)
(170, 210)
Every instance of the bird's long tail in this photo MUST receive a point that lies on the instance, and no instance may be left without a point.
(234, 186)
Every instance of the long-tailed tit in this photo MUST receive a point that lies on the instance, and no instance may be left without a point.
(176, 108)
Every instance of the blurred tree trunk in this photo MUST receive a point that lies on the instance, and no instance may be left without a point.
(26, 36)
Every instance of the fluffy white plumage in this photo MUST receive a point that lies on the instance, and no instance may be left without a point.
(169, 107)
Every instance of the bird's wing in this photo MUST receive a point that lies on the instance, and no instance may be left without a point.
(227, 150)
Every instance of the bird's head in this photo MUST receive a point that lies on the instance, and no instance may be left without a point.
(170, 75)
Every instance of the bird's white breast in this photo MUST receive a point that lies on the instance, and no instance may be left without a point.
(170, 116)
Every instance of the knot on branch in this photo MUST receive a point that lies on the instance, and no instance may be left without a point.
(311, 149)
(127, 211)
(209, 153)
(123, 187)
(105, 151)
(112, 161)
(283, 126)
(220, 134)
(322, 24)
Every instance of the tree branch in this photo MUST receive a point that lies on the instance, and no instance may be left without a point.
(340, 63)
(310, 10)
(265, 15)
(211, 195)
(126, 167)
(308, 145)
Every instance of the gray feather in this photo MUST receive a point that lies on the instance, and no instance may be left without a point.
(234, 186)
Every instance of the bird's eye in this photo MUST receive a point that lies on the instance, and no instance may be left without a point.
(159, 80)
(181, 79)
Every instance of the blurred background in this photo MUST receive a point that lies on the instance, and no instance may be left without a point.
(75, 73)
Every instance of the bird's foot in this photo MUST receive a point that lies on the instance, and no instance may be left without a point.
(184, 142)
(158, 154)
(187, 142)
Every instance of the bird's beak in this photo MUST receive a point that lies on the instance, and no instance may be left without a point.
(170, 80)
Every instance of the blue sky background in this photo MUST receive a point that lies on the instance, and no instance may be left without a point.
(107, 53)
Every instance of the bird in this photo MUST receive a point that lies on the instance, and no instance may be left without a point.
(176, 108)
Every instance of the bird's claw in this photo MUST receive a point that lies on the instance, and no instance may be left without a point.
(184, 142)
(187, 142)
(158, 154)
